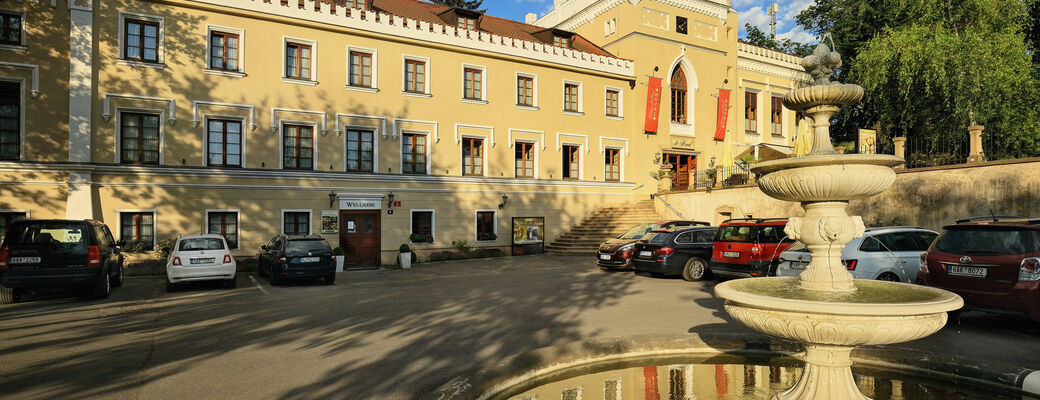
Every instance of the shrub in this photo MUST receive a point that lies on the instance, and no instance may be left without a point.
(487, 236)
(404, 248)
(137, 246)
(462, 246)
(442, 256)
(417, 238)
(487, 253)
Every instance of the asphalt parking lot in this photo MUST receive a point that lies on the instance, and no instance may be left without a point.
(378, 334)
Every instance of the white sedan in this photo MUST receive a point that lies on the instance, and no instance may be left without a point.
(200, 258)
(887, 253)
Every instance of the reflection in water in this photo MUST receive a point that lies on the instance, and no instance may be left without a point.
(733, 381)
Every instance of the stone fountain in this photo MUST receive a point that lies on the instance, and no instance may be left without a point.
(825, 309)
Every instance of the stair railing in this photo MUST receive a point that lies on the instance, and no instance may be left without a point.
(669, 205)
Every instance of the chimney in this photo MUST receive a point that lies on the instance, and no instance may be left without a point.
(530, 18)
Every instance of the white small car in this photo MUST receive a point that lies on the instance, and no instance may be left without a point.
(200, 258)
(890, 253)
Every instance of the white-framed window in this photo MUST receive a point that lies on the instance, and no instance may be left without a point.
(297, 222)
(422, 224)
(137, 226)
(300, 61)
(361, 147)
(474, 155)
(225, 223)
(225, 140)
(225, 51)
(415, 153)
(12, 118)
(416, 76)
(609, 27)
(613, 164)
(526, 91)
(474, 84)
(572, 98)
(297, 148)
(12, 30)
(572, 161)
(525, 158)
(362, 69)
(614, 102)
(141, 39)
(139, 135)
(486, 225)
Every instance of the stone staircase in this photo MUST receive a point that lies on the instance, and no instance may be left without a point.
(604, 223)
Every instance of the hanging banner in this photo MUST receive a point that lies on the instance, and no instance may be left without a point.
(653, 105)
(720, 125)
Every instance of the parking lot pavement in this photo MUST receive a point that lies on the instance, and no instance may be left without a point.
(378, 334)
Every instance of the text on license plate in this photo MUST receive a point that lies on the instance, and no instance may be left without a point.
(604, 256)
(208, 260)
(966, 271)
(646, 253)
(309, 259)
(731, 254)
(25, 260)
(798, 264)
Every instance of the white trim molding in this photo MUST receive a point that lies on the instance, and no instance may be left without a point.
(313, 79)
(107, 105)
(483, 83)
(274, 118)
(427, 91)
(155, 222)
(35, 69)
(374, 53)
(534, 87)
(339, 123)
(458, 136)
(559, 144)
(573, 14)
(117, 126)
(195, 104)
(620, 105)
(433, 224)
(396, 127)
(541, 135)
(602, 138)
(160, 50)
(205, 137)
(241, 70)
(476, 225)
(341, 131)
(310, 217)
(238, 224)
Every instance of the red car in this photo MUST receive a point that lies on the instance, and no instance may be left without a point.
(993, 262)
(616, 253)
(748, 247)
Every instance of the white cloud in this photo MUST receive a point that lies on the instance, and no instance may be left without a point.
(786, 24)
(798, 34)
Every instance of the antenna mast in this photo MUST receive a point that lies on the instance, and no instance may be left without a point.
(773, 10)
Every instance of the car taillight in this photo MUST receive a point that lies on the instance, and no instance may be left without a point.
(849, 264)
(664, 251)
(5, 253)
(283, 260)
(176, 261)
(924, 261)
(227, 259)
(628, 253)
(93, 256)
(756, 250)
(1030, 270)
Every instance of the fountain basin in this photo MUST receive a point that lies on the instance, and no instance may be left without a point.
(827, 177)
(875, 313)
(833, 94)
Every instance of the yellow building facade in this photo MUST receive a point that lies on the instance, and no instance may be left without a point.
(374, 123)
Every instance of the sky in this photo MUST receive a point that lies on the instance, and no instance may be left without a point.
(749, 11)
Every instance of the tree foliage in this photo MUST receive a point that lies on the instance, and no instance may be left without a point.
(756, 37)
(933, 67)
(466, 4)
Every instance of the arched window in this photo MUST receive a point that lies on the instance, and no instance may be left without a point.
(678, 85)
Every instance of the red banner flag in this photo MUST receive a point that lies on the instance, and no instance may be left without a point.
(650, 374)
(653, 105)
(720, 126)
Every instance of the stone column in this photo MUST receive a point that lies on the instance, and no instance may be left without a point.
(975, 153)
(900, 145)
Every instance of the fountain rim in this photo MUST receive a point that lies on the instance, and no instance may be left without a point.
(835, 159)
(944, 301)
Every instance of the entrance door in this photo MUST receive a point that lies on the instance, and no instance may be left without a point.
(682, 165)
(359, 238)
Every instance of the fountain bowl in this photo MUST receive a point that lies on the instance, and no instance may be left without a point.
(832, 94)
(827, 177)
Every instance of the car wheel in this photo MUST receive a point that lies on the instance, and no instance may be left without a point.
(9, 295)
(171, 287)
(695, 270)
(260, 269)
(954, 317)
(330, 278)
(888, 276)
(102, 287)
(273, 279)
(231, 283)
(117, 281)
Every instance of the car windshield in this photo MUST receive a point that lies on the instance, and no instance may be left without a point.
(735, 233)
(987, 241)
(307, 246)
(196, 244)
(639, 231)
(56, 236)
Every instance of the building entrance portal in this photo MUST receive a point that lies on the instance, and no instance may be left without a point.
(359, 238)
(685, 167)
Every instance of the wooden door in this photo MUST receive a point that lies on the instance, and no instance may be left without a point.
(682, 165)
(359, 238)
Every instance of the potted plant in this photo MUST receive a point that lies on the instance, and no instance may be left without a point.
(663, 176)
(487, 236)
(417, 238)
(405, 258)
(340, 258)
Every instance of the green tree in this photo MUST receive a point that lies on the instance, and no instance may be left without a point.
(467, 4)
(756, 37)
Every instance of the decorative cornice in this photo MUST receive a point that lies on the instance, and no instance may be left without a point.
(773, 70)
(589, 12)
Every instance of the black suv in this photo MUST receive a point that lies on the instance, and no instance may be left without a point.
(297, 256)
(675, 251)
(57, 253)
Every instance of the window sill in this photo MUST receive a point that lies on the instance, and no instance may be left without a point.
(232, 74)
(363, 89)
(751, 133)
(419, 95)
(486, 241)
(474, 101)
(775, 136)
(527, 108)
(298, 81)
(574, 113)
(615, 117)
(142, 64)
(14, 47)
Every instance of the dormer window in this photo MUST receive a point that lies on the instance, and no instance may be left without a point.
(467, 23)
(355, 4)
(561, 41)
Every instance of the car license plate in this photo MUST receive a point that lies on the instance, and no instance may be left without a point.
(208, 260)
(646, 253)
(977, 272)
(798, 264)
(25, 260)
(604, 256)
(309, 259)
(731, 254)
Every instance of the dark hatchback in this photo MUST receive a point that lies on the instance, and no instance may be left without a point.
(675, 251)
(54, 254)
(298, 256)
(617, 253)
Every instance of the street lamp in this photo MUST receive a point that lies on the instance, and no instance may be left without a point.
(505, 199)
(390, 202)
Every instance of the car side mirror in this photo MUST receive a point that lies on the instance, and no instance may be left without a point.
(120, 243)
